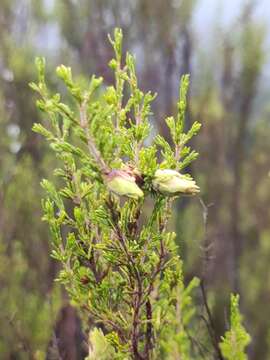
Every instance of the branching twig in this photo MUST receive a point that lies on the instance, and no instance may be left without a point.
(207, 247)
(149, 328)
(210, 323)
(90, 141)
(207, 257)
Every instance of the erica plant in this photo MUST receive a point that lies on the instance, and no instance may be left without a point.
(120, 264)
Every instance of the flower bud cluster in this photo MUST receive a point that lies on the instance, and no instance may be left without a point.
(128, 182)
(123, 183)
(171, 183)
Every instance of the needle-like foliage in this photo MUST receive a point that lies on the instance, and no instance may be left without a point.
(120, 265)
(236, 339)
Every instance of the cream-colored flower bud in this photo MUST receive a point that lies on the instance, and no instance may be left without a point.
(123, 183)
(171, 183)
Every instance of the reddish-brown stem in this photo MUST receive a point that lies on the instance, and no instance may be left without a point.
(149, 328)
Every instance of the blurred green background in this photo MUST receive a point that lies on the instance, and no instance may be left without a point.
(225, 48)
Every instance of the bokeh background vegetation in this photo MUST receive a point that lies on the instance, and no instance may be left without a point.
(228, 59)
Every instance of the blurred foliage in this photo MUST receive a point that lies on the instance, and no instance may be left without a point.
(230, 99)
(30, 302)
(236, 339)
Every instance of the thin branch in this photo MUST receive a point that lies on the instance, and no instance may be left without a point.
(206, 247)
(149, 328)
(90, 141)
(201, 347)
(137, 293)
(210, 322)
